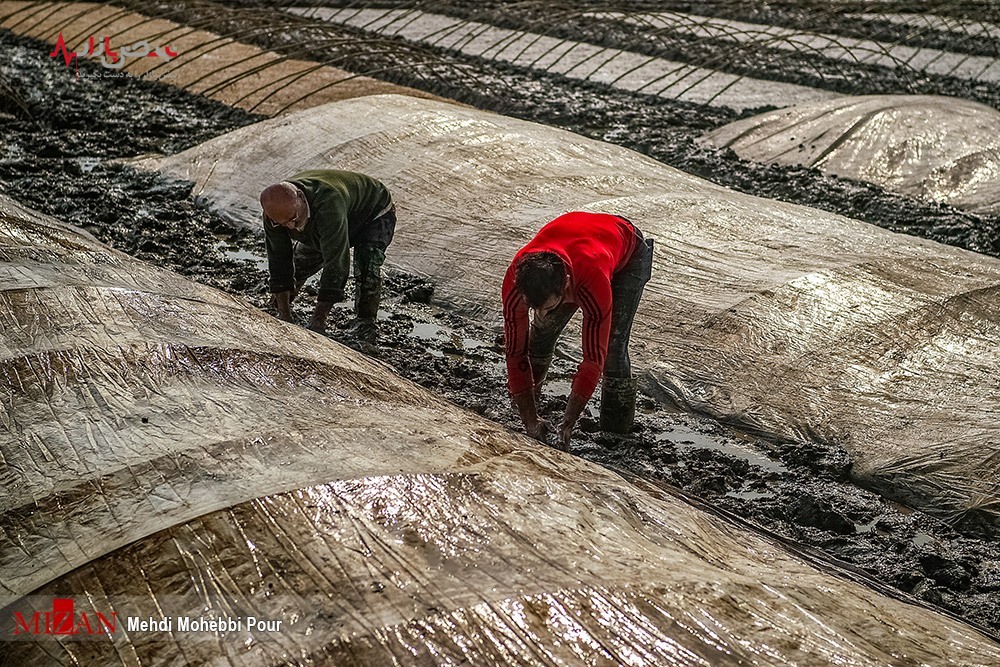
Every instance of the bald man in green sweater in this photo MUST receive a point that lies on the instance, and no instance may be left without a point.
(311, 222)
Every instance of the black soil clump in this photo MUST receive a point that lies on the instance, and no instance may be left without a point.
(62, 157)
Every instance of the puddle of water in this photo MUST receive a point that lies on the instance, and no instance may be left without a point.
(557, 388)
(684, 437)
(87, 164)
(430, 331)
(247, 255)
(436, 333)
(232, 252)
(866, 527)
(749, 495)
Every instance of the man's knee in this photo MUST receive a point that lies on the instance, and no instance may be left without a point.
(368, 260)
(380, 231)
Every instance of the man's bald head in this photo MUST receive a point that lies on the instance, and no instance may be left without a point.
(285, 205)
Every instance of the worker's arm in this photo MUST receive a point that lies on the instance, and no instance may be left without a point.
(593, 293)
(336, 248)
(520, 382)
(574, 408)
(280, 267)
(534, 425)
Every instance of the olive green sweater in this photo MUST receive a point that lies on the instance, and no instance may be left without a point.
(341, 203)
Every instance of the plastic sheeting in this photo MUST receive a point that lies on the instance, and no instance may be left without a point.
(166, 443)
(622, 69)
(784, 320)
(943, 149)
(830, 46)
(215, 66)
(135, 399)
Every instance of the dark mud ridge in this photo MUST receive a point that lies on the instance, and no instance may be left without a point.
(58, 144)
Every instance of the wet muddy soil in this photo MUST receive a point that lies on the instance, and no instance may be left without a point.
(664, 129)
(57, 160)
(833, 18)
(756, 57)
(61, 135)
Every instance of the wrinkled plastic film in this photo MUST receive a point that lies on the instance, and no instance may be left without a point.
(786, 320)
(942, 149)
(145, 399)
(541, 561)
(280, 475)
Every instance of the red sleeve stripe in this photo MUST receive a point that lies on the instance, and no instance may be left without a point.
(594, 317)
(512, 300)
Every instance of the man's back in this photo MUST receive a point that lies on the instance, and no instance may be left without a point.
(338, 196)
(589, 241)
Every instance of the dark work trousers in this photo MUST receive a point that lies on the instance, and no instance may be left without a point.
(369, 255)
(626, 290)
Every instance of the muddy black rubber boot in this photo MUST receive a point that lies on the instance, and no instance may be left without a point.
(367, 280)
(369, 292)
(363, 330)
(369, 295)
(618, 404)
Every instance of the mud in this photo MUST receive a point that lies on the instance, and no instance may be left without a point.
(62, 137)
(664, 129)
(817, 16)
(59, 158)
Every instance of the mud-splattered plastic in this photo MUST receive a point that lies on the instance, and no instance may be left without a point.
(168, 451)
(784, 320)
(942, 149)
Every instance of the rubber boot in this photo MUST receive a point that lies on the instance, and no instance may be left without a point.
(618, 404)
(367, 291)
(368, 296)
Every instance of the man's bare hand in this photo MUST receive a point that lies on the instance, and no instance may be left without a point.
(565, 434)
(317, 322)
(539, 430)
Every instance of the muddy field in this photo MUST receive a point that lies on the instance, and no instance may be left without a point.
(664, 129)
(61, 142)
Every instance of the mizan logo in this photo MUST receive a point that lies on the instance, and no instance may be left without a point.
(110, 58)
(64, 620)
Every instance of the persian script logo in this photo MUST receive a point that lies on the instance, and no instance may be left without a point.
(110, 58)
(63, 620)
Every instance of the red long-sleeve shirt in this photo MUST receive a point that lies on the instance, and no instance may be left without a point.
(594, 246)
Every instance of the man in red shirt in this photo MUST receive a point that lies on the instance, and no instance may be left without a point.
(592, 261)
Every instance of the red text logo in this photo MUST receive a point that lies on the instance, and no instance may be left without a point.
(63, 620)
(110, 58)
